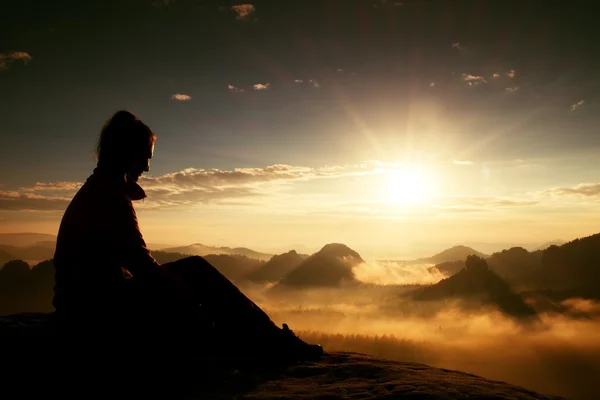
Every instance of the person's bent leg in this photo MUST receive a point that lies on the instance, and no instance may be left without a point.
(219, 297)
(237, 319)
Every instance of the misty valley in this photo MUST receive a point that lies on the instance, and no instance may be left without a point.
(525, 317)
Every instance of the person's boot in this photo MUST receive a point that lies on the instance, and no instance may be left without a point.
(298, 349)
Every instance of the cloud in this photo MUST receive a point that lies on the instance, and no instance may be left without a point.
(298, 81)
(314, 83)
(261, 86)
(15, 201)
(458, 204)
(511, 74)
(461, 162)
(234, 89)
(190, 186)
(396, 273)
(473, 78)
(456, 45)
(181, 97)
(6, 59)
(56, 186)
(582, 190)
(512, 89)
(577, 105)
(496, 75)
(244, 11)
(431, 84)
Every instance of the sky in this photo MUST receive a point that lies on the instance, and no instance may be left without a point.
(396, 127)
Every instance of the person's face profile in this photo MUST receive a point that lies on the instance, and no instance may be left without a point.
(140, 164)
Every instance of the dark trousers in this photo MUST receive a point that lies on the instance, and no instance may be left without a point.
(220, 311)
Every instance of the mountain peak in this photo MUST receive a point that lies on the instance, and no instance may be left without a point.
(331, 266)
(339, 250)
(476, 280)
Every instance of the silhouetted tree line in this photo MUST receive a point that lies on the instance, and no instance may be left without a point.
(25, 289)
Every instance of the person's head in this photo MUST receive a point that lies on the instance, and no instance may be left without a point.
(126, 145)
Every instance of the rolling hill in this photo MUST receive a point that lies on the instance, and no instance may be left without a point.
(25, 239)
(456, 253)
(478, 285)
(329, 267)
(198, 249)
(277, 267)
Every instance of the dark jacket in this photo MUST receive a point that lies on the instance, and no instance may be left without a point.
(99, 243)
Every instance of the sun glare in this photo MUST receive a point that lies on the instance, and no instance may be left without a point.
(407, 186)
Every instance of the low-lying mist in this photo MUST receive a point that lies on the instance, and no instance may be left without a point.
(557, 354)
(396, 273)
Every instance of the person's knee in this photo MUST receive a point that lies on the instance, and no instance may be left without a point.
(194, 265)
(195, 260)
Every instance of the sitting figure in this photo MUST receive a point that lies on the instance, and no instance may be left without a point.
(108, 283)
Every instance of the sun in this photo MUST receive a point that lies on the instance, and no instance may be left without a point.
(407, 186)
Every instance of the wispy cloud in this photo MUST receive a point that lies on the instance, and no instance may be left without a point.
(458, 204)
(181, 97)
(190, 186)
(6, 59)
(512, 89)
(577, 105)
(462, 162)
(456, 45)
(298, 81)
(234, 89)
(55, 187)
(581, 190)
(262, 86)
(16, 201)
(496, 75)
(473, 78)
(244, 11)
(314, 83)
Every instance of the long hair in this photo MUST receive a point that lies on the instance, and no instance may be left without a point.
(123, 137)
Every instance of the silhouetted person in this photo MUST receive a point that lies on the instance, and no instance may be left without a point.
(107, 280)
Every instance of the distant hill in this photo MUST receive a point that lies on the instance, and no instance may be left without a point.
(50, 244)
(25, 239)
(548, 244)
(235, 267)
(456, 253)
(277, 267)
(199, 249)
(163, 257)
(477, 284)
(329, 267)
(514, 264)
(5, 257)
(32, 252)
(575, 263)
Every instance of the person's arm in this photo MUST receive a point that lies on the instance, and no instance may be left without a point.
(136, 257)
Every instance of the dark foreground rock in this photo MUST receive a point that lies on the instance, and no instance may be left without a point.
(33, 372)
(357, 376)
